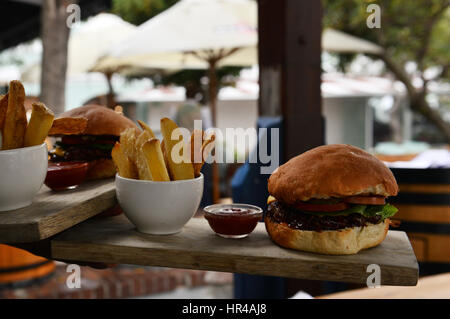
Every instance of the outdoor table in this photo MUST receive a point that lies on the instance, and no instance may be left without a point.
(56, 226)
(430, 287)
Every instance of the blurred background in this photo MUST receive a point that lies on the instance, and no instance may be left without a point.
(331, 72)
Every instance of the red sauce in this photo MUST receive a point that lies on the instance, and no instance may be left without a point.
(233, 222)
(65, 175)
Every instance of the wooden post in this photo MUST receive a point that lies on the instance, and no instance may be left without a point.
(110, 100)
(55, 37)
(213, 87)
(289, 62)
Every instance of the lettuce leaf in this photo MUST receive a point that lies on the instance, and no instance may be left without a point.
(385, 211)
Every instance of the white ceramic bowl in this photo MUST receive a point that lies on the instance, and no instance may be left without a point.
(22, 173)
(159, 208)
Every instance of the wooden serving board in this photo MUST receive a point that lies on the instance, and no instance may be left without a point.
(115, 240)
(52, 212)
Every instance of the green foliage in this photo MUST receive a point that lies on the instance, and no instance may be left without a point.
(139, 11)
(411, 30)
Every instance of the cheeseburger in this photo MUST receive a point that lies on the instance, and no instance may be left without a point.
(88, 134)
(330, 200)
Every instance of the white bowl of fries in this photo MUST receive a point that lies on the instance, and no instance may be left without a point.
(159, 208)
(159, 185)
(22, 173)
(23, 153)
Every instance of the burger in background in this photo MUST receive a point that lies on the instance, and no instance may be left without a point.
(330, 200)
(85, 137)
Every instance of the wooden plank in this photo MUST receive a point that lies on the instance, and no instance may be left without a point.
(115, 240)
(423, 213)
(425, 188)
(53, 212)
(431, 247)
(432, 287)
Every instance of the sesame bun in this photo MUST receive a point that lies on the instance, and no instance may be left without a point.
(345, 241)
(327, 171)
(101, 120)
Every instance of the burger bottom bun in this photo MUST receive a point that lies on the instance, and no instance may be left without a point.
(346, 241)
(101, 168)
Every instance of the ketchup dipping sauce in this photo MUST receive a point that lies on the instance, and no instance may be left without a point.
(65, 175)
(233, 220)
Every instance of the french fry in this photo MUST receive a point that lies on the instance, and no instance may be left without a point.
(3, 108)
(128, 143)
(118, 109)
(207, 147)
(177, 171)
(147, 128)
(40, 123)
(141, 162)
(68, 126)
(163, 149)
(124, 166)
(15, 124)
(155, 160)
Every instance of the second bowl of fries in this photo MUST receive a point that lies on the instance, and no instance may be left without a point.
(159, 185)
(23, 153)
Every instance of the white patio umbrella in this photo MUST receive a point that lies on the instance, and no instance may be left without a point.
(89, 40)
(87, 43)
(194, 34)
(206, 34)
(332, 41)
(338, 41)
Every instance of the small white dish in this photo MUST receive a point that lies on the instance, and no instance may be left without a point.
(22, 173)
(159, 208)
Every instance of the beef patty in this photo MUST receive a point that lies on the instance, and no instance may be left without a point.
(281, 213)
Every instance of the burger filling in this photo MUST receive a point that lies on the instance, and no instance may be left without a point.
(83, 148)
(334, 214)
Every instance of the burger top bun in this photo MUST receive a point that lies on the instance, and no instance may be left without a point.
(101, 120)
(336, 170)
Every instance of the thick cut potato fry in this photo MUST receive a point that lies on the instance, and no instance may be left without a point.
(124, 166)
(177, 171)
(118, 109)
(207, 147)
(68, 126)
(40, 123)
(147, 128)
(155, 160)
(3, 108)
(13, 133)
(141, 162)
(128, 143)
(163, 149)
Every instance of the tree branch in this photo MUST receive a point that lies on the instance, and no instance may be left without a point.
(427, 36)
(417, 99)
